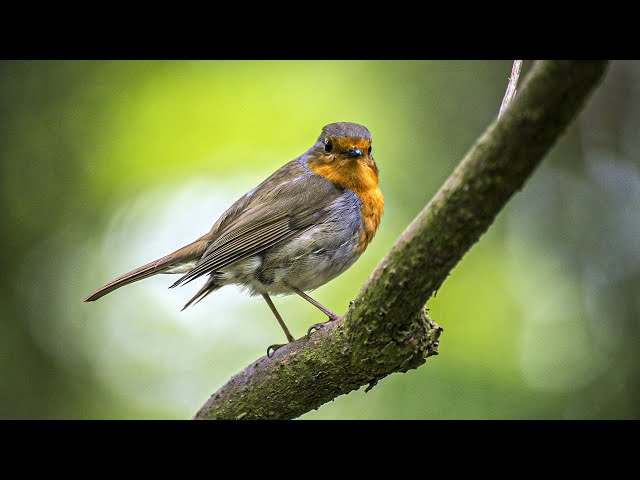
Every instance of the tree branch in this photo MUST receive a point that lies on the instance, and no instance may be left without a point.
(511, 88)
(385, 329)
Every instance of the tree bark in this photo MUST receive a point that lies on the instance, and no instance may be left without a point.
(386, 329)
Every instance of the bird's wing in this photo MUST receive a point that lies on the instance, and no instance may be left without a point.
(286, 203)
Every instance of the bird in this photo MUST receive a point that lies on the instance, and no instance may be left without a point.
(300, 228)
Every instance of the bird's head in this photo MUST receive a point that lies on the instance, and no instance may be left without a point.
(342, 154)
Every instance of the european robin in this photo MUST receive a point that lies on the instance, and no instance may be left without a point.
(300, 228)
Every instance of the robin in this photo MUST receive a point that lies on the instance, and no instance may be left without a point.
(300, 228)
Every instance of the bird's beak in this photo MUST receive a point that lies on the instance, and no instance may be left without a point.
(354, 152)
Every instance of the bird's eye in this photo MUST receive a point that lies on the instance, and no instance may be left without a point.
(328, 146)
(369, 152)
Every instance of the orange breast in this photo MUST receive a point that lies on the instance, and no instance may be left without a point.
(361, 179)
(371, 210)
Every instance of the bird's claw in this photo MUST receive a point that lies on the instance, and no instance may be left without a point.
(272, 349)
(318, 326)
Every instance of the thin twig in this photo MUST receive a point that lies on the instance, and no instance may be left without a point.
(511, 89)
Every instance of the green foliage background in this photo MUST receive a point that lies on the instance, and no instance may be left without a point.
(108, 165)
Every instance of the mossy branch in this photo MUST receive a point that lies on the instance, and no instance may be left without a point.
(386, 329)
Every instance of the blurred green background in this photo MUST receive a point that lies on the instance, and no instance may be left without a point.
(108, 165)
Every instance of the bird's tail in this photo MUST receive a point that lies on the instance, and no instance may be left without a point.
(208, 287)
(190, 253)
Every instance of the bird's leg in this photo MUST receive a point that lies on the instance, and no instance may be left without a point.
(272, 348)
(332, 316)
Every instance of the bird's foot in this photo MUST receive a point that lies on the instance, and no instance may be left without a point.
(272, 348)
(318, 326)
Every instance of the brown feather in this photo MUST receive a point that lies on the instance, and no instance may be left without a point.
(191, 252)
(262, 218)
(208, 287)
